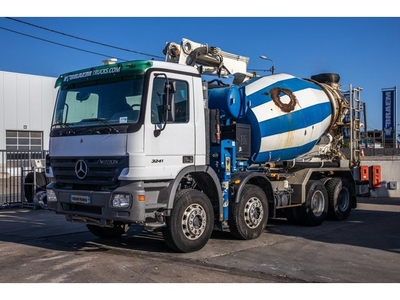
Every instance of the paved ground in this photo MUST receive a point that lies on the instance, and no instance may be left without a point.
(38, 246)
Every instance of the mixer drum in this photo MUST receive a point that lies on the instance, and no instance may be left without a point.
(287, 115)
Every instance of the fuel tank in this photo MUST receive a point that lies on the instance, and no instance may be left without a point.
(287, 114)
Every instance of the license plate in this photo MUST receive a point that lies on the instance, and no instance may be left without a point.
(80, 199)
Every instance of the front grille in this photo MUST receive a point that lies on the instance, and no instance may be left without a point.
(82, 208)
(102, 171)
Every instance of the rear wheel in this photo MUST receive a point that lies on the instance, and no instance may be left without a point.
(248, 218)
(108, 232)
(339, 195)
(314, 211)
(191, 222)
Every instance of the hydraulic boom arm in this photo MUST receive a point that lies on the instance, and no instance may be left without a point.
(208, 60)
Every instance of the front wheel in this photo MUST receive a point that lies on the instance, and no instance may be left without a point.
(191, 222)
(314, 211)
(248, 218)
(108, 232)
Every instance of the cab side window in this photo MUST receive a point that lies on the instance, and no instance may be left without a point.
(181, 100)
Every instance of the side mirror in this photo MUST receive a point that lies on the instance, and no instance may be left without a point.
(169, 100)
(169, 87)
(168, 103)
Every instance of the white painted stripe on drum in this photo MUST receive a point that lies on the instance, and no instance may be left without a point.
(305, 98)
(265, 81)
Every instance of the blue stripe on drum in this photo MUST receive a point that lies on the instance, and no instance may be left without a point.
(296, 120)
(293, 84)
(283, 154)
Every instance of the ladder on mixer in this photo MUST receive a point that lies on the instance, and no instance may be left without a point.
(355, 126)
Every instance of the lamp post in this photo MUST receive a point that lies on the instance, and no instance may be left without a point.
(272, 70)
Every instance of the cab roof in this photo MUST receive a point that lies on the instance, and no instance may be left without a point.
(129, 68)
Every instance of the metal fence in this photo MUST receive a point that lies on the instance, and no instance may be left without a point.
(21, 175)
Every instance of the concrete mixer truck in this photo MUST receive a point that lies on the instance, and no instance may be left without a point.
(176, 148)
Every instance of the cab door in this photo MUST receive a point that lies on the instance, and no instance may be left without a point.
(169, 143)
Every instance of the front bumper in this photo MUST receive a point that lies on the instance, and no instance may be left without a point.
(95, 207)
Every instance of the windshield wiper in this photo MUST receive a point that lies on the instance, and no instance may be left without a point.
(103, 121)
(66, 126)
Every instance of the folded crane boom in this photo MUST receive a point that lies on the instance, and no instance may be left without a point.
(208, 60)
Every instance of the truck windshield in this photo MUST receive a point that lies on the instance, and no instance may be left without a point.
(112, 102)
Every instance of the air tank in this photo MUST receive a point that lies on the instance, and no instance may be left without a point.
(287, 114)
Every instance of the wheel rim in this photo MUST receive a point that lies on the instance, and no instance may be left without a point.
(343, 201)
(317, 203)
(194, 221)
(253, 212)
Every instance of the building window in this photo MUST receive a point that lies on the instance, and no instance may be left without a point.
(23, 145)
(24, 140)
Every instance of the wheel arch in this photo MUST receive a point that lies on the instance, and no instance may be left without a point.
(257, 179)
(207, 181)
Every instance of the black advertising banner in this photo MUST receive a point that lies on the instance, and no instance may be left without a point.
(389, 112)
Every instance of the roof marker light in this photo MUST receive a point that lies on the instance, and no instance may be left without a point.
(109, 61)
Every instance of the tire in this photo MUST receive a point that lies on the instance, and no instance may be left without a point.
(248, 218)
(340, 197)
(108, 232)
(314, 211)
(326, 77)
(191, 222)
(30, 186)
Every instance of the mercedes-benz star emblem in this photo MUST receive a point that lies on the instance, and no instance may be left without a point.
(81, 169)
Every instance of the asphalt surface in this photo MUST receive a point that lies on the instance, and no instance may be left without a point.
(38, 246)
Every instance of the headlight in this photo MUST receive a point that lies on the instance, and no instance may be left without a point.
(121, 201)
(51, 196)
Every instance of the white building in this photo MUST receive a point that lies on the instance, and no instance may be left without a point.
(26, 108)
